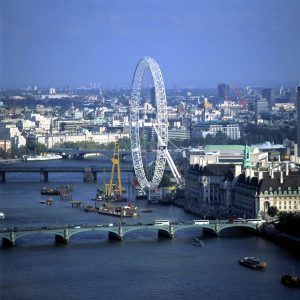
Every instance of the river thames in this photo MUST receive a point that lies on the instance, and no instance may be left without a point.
(142, 266)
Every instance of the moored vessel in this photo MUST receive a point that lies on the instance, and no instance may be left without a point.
(63, 189)
(118, 211)
(46, 156)
(50, 191)
(290, 280)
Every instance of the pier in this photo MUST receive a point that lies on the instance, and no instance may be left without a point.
(89, 173)
(117, 231)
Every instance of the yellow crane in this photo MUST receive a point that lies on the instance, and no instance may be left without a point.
(115, 189)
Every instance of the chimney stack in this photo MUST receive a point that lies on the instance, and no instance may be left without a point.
(248, 172)
(286, 169)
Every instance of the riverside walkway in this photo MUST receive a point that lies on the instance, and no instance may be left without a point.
(116, 231)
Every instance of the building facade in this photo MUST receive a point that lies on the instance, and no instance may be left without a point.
(229, 128)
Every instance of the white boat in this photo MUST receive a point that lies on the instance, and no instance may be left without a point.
(47, 156)
(2, 216)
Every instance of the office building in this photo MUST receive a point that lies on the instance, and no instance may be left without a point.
(261, 106)
(223, 90)
(268, 95)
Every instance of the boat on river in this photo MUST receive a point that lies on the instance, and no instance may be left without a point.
(50, 191)
(253, 263)
(46, 156)
(140, 195)
(61, 190)
(119, 211)
(290, 280)
(2, 215)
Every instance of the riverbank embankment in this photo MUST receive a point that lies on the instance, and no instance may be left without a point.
(270, 232)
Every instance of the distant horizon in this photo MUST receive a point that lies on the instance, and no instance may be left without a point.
(273, 85)
(196, 42)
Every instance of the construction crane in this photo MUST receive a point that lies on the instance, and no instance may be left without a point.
(115, 189)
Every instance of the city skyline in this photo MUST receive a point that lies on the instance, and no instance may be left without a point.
(196, 43)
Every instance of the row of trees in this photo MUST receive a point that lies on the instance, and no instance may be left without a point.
(23, 150)
(289, 222)
(124, 144)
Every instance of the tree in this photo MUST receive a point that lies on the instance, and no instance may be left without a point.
(3, 154)
(272, 211)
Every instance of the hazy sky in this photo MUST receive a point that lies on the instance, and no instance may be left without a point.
(63, 42)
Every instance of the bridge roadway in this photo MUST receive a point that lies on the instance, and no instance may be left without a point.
(116, 231)
(89, 173)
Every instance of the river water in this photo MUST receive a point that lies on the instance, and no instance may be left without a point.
(143, 266)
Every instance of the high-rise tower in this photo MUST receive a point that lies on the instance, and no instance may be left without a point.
(223, 90)
(268, 95)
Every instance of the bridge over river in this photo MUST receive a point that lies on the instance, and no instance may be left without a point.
(89, 173)
(117, 231)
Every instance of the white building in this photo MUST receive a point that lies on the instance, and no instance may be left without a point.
(52, 141)
(230, 129)
(226, 154)
(9, 132)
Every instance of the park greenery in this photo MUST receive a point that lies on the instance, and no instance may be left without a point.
(35, 149)
(124, 145)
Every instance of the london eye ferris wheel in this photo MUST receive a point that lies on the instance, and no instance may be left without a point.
(159, 124)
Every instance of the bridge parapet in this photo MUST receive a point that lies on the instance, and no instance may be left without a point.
(117, 232)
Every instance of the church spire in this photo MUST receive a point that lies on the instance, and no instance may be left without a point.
(246, 160)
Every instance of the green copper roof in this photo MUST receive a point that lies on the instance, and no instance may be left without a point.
(228, 147)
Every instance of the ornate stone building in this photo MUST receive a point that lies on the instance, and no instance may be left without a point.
(220, 189)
